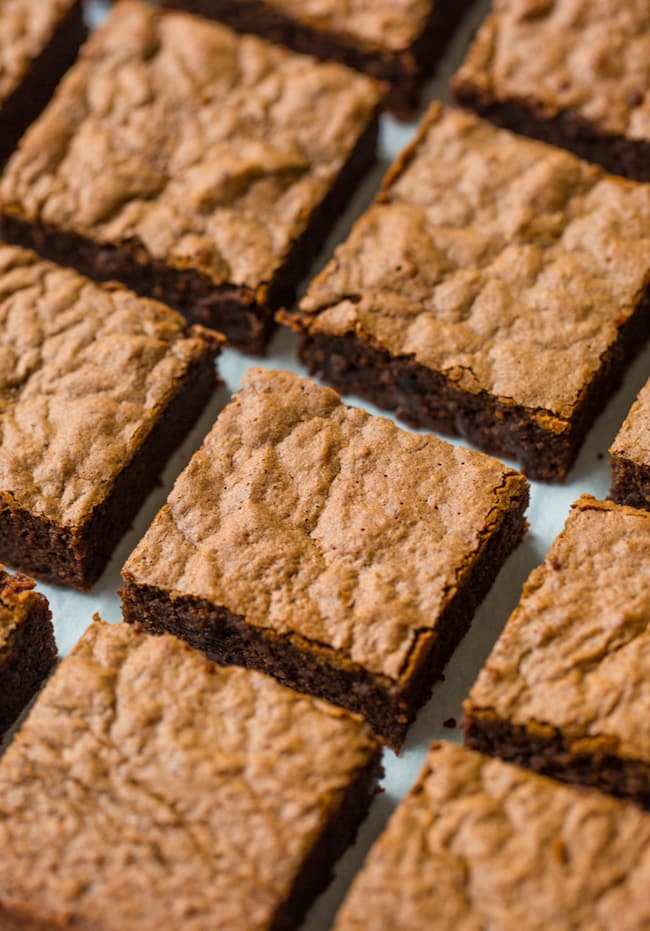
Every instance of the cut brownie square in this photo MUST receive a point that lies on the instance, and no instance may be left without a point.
(97, 388)
(39, 41)
(496, 289)
(572, 72)
(480, 844)
(567, 687)
(326, 547)
(398, 42)
(194, 165)
(151, 789)
(27, 646)
(630, 455)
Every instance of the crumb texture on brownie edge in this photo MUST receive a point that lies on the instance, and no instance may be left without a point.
(17, 596)
(479, 843)
(556, 257)
(299, 514)
(590, 58)
(586, 680)
(235, 763)
(633, 439)
(264, 135)
(69, 424)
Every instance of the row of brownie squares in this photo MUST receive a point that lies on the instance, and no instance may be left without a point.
(496, 288)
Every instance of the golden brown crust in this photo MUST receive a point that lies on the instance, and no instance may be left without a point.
(633, 439)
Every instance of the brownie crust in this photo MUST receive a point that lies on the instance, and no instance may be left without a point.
(565, 689)
(32, 91)
(27, 647)
(630, 455)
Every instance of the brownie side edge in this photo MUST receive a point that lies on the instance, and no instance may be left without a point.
(425, 398)
(77, 557)
(630, 482)
(32, 95)
(620, 155)
(387, 705)
(591, 762)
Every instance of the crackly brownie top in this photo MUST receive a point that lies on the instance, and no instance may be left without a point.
(85, 371)
(482, 844)
(209, 148)
(152, 788)
(313, 519)
(17, 598)
(589, 57)
(504, 263)
(26, 27)
(374, 24)
(575, 653)
(633, 439)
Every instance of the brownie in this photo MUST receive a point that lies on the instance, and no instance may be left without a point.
(97, 388)
(480, 844)
(194, 165)
(398, 42)
(567, 687)
(496, 289)
(572, 72)
(27, 647)
(326, 547)
(630, 455)
(151, 790)
(39, 41)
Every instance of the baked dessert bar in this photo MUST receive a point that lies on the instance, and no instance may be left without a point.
(567, 687)
(496, 289)
(630, 455)
(572, 72)
(27, 647)
(196, 166)
(151, 789)
(326, 547)
(97, 388)
(39, 41)
(481, 844)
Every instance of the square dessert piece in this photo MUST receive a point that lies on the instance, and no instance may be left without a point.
(27, 647)
(151, 789)
(567, 687)
(194, 165)
(630, 455)
(398, 42)
(479, 844)
(39, 41)
(496, 289)
(572, 72)
(326, 547)
(97, 388)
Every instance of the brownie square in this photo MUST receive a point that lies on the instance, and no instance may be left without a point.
(97, 388)
(567, 687)
(151, 789)
(480, 844)
(27, 647)
(398, 42)
(39, 41)
(630, 455)
(496, 289)
(194, 165)
(572, 72)
(326, 547)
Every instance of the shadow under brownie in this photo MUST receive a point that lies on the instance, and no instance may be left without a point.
(97, 388)
(480, 844)
(27, 646)
(566, 690)
(39, 41)
(151, 790)
(194, 165)
(397, 42)
(630, 455)
(326, 547)
(496, 289)
(575, 73)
